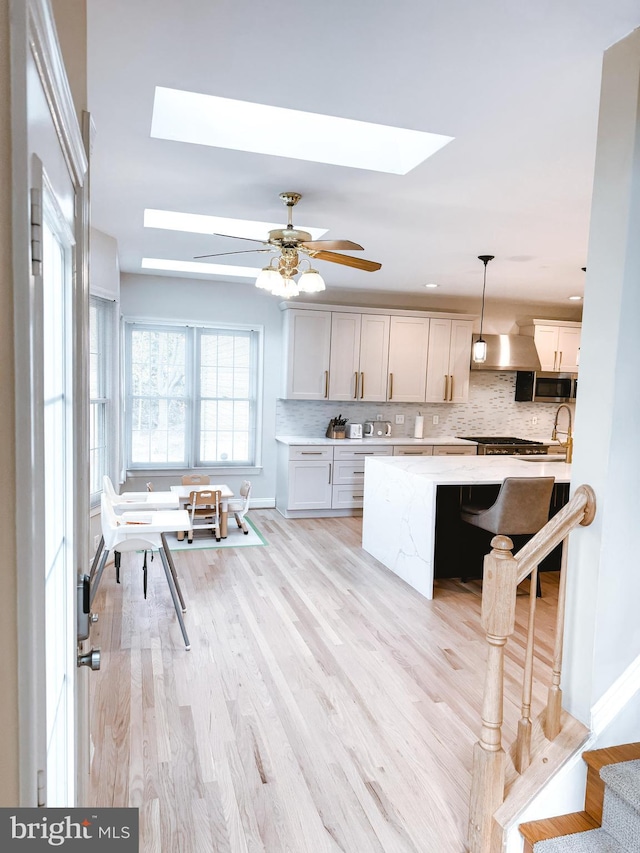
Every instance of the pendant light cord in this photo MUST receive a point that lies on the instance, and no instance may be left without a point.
(485, 260)
(484, 285)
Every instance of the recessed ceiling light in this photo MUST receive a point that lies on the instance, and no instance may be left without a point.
(432, 285)
(261, 129)
(199, 267)
(198, 223)
(575, 298)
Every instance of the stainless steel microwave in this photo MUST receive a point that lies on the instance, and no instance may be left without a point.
(537, 387)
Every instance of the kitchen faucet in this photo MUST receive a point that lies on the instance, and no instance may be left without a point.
(568, 433)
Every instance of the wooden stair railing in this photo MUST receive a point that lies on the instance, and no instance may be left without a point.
(502, 573)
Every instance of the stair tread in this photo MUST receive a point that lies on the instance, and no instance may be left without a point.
(552, 827)
(598, 758)
(592, 841)
(624, 779)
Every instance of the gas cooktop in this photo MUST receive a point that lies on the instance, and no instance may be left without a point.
(502, 445)
(500, 439)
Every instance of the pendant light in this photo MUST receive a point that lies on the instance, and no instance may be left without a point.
(480, 346)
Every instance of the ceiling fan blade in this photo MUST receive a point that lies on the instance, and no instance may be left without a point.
(235, 237)
(239, 252)
(346, 245)
(348, 261)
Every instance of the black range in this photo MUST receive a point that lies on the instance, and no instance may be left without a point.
(506, 445)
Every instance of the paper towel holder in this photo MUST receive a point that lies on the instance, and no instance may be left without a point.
(418, 429)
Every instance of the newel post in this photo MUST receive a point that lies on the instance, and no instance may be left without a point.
(498, 620)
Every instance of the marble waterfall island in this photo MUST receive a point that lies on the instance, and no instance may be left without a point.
(404, 495)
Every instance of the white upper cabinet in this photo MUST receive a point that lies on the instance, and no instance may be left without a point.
(557, 343)
(344, 365)
(374, 357)
(307, 342)
(448, 361)
(408, 345)
(359, 356)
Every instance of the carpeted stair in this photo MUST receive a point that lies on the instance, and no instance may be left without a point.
(611, 820)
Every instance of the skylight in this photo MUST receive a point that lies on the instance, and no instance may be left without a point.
(243, 126)
(199, 223)
(199, 267)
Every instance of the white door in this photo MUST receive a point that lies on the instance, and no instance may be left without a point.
(59, 572)
(49, 242)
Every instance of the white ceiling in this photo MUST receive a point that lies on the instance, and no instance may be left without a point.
(516, 83)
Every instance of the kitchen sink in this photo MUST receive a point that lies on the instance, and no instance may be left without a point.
(543, 457)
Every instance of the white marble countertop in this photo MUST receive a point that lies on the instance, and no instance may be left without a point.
(467, 470)
(374, 439)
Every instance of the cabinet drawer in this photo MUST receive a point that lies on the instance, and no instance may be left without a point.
(362, 451)
(413, 450)
(312, 452)
(348, 471)
(455, 450)
(346, 497)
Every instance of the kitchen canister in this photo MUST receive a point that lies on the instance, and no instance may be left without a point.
(418, 430)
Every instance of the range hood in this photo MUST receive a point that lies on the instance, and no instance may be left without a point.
(508, 352)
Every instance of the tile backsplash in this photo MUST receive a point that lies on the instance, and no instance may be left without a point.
(490, 410)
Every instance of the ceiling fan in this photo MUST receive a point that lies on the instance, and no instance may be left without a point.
(291, 242)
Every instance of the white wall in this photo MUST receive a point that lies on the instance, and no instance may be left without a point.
(602, 628)
(104, 269)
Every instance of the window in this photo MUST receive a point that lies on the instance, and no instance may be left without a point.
(191, 396)
(100, 393)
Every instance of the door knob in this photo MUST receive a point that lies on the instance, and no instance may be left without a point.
(90, 659)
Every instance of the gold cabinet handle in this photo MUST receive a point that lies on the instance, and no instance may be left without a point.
(362, 386)
(329, 473)
(446, 387)
(326, 384)
(391, 386)
(555, 360)
(450, 387)
(355, 395)
(560, 360)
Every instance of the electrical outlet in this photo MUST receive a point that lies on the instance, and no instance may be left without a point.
(435, 419)
(534, 420)
(399, 419)
(378, 417)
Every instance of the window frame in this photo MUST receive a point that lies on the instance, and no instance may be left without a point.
(193, 333)
(107, 399)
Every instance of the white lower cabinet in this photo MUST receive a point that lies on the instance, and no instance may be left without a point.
(309, 485)
(455, 450)
(413, 450)
(318, 479)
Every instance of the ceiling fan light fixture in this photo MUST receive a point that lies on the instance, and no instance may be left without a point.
(269, 279)
(311, 281)
(287, 288)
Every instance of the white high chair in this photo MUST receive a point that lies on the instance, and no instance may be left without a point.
(131, 533)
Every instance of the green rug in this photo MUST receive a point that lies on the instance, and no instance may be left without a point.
(205, 539)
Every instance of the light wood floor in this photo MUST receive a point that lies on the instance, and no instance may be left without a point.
(324, 706)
